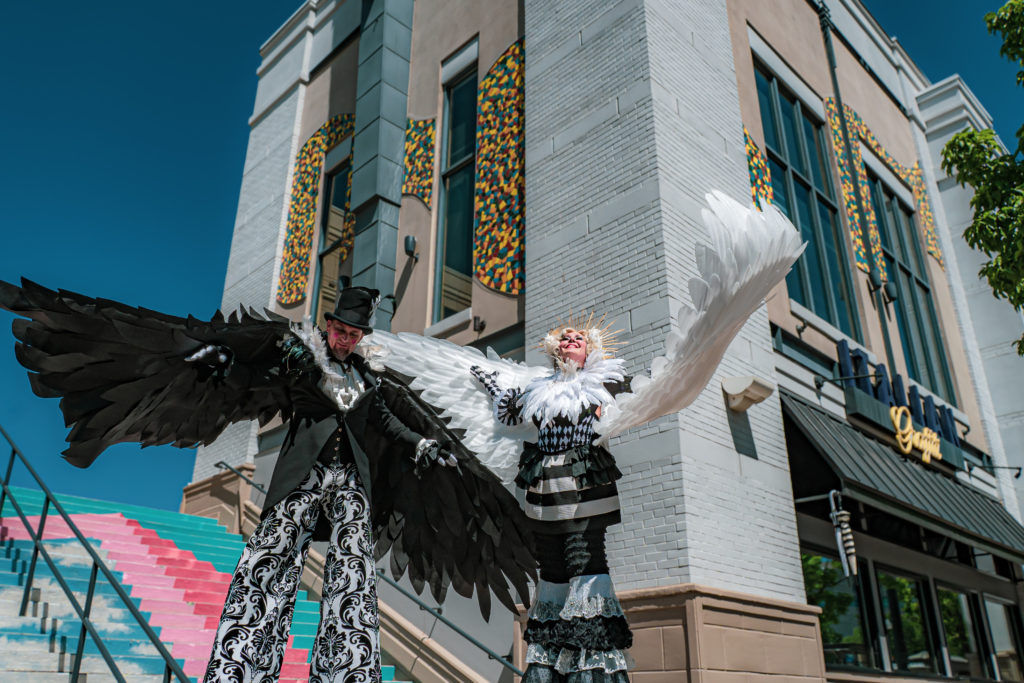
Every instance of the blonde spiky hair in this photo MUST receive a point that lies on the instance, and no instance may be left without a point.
(600, 337)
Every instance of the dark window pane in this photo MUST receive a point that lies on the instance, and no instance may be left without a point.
(779, 189)
(462, 119)
(912, 313)
(892, 236)
(842, 627)
(933, 342)
(838, 271)
(330, 267)
(877, 200)
(764, 100)
(911, 245)
(1004, 643)
(458, 227)
(811, 256)
(789, 129)
(794, 280)
(814, 150)
(965, 657)
(906, 629)
(457, 267)
(339, 189)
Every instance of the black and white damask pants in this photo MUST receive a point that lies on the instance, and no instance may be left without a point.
(253, 631)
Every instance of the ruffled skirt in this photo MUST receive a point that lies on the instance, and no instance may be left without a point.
(577, 633)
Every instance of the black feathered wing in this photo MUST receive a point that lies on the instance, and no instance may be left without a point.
(447, 526)
(121, 373)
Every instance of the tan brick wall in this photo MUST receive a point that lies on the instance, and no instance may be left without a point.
(698, 634)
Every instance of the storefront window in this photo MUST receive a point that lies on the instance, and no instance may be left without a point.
(842, 624)
(1004, 643)
(965, 658)
(906, 627)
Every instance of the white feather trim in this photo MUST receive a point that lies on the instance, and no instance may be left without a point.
(567, 391)
(343, 389)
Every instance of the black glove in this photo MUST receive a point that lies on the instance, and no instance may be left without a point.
(213, 359)
(429, 451)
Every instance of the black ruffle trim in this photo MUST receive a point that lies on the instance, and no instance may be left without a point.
(591, 466)
(596, 633)
(538, 673)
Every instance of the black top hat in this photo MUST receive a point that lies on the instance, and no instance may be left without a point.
(355, 307)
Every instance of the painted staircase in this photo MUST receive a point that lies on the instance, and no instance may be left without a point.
(175, 567)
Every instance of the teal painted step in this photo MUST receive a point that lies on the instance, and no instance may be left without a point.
(205, 538)
(36, 644)
(31, 502)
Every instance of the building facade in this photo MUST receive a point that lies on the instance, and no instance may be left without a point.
(493, 166)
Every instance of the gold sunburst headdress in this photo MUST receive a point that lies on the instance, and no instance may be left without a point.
(599, 336)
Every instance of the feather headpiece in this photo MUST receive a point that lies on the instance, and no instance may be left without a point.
(600, 337)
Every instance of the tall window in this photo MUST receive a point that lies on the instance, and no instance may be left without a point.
(1003, 626)
(843, 635)
(966, 659)
(330, 267)
(803, 190)
(914, 308)
(906, 625)
(458, 168)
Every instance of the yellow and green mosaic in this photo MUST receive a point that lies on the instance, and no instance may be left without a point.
(912, 176)
(302, 209)
(419, 160)
(760, 175)
(499, 208)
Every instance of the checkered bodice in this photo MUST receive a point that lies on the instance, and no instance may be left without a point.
(562, 433)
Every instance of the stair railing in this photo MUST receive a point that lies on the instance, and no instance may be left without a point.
(171, 668)
(491, 654)
(436, 613)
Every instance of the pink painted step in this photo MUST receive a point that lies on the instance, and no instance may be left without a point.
(183, 595)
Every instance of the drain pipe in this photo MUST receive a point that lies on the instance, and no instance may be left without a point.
(874, 277)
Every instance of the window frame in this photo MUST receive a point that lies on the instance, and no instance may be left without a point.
(866, 609)
(978, 627)
(344, 166)
(446, 170)
(906, 264)
(819, 196)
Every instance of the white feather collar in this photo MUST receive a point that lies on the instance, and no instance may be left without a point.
(343, 389)
(567, 391)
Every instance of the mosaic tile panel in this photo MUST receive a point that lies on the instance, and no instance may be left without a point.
(912, 176)
(302, 208)
(499, 209)
(846, 185)
(419, 159)
(760, 175)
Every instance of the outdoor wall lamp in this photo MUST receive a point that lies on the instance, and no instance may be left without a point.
(410, 247)
(890, 292)
(746, 390)
(821, 380)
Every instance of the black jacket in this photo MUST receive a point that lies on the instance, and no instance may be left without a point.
(369, 426)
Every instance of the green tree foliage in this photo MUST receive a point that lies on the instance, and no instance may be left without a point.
(822, 581)
(975, 158)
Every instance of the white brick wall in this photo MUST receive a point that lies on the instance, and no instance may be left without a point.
(632, 115)
(250, 275)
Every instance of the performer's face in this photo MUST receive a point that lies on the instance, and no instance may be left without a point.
(342, 338)
(572, 345)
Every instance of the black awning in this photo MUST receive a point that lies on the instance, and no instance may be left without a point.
(875, 474)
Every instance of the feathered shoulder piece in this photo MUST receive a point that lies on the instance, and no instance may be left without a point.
(568, 390)
(751, 251)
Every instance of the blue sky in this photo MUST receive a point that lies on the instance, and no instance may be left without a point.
(123, 133)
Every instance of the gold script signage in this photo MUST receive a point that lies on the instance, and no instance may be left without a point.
(908, 438)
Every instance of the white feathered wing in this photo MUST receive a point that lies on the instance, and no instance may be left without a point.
(751, 252)
(440, 374)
